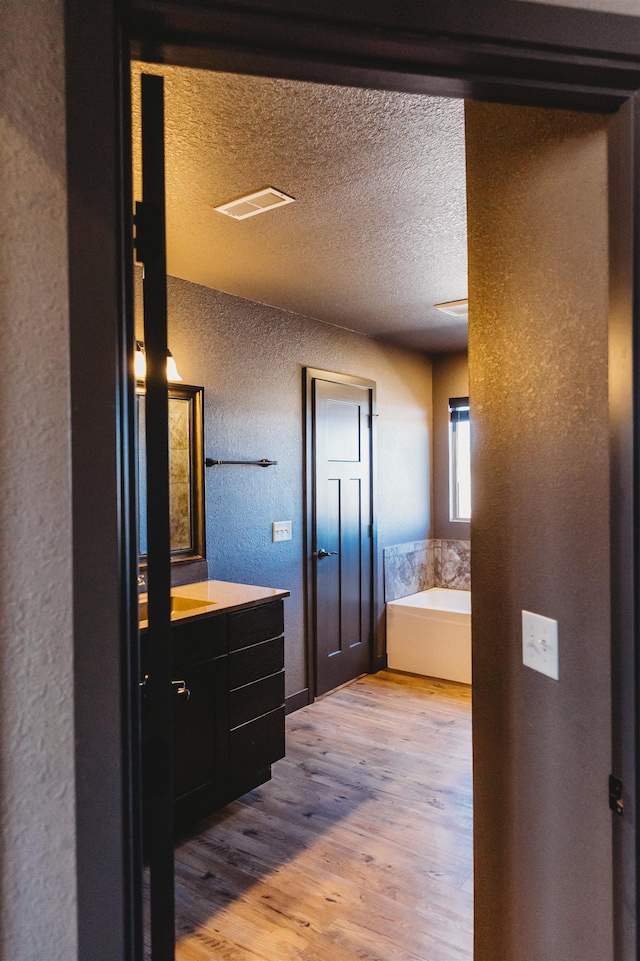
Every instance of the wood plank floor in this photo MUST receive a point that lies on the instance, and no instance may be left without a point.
(359, 849)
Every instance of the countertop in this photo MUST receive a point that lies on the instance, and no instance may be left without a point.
(218, 597)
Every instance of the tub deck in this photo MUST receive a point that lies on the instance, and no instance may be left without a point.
(430, 634)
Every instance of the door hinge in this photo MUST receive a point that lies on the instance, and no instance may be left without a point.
(616, 802)
(147, 241)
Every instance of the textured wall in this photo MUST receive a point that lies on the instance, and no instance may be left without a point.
(450, 379)
(537, 207)
(249, 358)
(36, 681)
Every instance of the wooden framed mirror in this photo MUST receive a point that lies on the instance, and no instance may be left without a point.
(186, 483)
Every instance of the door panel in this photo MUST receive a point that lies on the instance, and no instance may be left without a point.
(351, 560)
(196, 727)
(343, 431)
(341, 428)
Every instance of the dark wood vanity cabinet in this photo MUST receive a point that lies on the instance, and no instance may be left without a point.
(256, 695)
(230, 730)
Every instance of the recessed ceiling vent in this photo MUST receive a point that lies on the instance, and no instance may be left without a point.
(257, 203)
(457, 308)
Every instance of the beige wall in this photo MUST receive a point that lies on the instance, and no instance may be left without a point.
(450, 379)
(36, 680)
(538, 277)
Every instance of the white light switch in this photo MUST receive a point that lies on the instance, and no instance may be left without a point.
(540, 644)
(281, 531)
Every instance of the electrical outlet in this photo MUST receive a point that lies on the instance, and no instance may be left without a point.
(540, 644)
(281, 531)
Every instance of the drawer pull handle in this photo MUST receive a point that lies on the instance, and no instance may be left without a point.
(181, 689)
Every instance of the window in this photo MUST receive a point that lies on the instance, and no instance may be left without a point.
(459, 459)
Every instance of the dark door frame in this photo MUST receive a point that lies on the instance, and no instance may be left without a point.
(309, 375)
(507, 51)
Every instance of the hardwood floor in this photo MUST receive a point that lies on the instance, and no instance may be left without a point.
(359, 849)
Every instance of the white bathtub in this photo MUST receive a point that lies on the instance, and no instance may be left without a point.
(430, 633)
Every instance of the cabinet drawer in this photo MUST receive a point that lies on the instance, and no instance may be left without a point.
(256, 699)
(256, 624)
(199, 640)
(257, 744)
(255, 662)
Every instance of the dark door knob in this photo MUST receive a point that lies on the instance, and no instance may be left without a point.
(323, 553)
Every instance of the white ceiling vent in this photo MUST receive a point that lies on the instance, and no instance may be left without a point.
(257, 203)
(457, 308)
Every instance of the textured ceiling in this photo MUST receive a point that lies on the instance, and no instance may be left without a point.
(377, 235)
(607, 6)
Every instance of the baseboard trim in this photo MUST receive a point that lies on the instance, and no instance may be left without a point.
(295, 701)
(340, 687)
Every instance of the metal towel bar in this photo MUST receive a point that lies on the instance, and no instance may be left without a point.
(210, 462)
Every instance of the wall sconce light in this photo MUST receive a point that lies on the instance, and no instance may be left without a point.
(140, 365)
(140, 361)
(172, 371)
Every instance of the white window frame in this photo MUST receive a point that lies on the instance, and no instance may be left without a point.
(458, 414)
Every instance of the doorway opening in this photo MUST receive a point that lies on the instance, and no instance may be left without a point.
(217, 305)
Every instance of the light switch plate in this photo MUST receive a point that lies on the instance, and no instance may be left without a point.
(540, 644)
(281, 531)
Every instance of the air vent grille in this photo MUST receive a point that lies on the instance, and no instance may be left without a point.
(257, 203)
(457, 308)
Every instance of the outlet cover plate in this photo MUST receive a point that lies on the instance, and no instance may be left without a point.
(540, 644)
(281, 531)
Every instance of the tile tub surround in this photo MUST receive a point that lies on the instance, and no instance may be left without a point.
(420, 565)
(408, 569)
(452, 564)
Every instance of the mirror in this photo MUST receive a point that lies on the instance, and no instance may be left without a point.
(186, 481)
